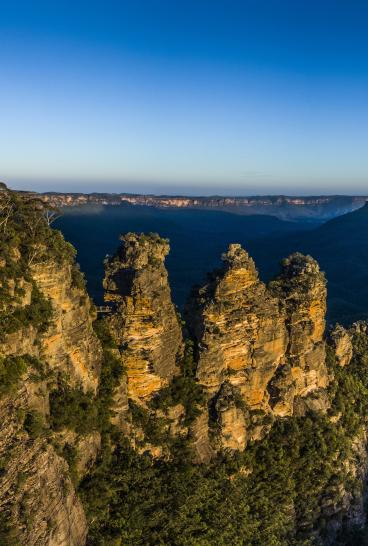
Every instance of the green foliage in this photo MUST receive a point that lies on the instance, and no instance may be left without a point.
(153, 428)
(102, 331)
(111, 373)
(38, 314)
(26, 240)
(34, 424)
(143, 501)
(349, 392)
(73, 409)
(183, 389)
(12, 368)
(25, 227)
(84, 412)
(69, 453)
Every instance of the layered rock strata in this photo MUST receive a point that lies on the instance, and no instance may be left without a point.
(264, 343)
(341, 341)
(38, 500)
(37, 496)
(70, 343)
(144, 321)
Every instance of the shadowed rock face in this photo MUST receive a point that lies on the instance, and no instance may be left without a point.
(265, 342)
(144, 323)
(36, 491)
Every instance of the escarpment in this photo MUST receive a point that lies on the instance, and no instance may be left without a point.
(144, 322)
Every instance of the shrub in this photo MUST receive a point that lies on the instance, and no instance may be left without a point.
(73, 409)
(12, 368)
(34, 424)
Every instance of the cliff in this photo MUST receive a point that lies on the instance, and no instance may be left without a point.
(144, 322)
(261, 348)
(46, 337)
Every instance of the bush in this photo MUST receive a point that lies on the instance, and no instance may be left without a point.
(183, 389)
(9, 535)
(73, 409)
(12, 368)
(34, 424)
(78, 279)
(37, 314)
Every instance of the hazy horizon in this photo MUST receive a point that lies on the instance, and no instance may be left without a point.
(180, 190)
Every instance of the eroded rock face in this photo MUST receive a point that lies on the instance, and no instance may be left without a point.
(240, 329)
(144, 321)
(36, 492)
(70, 343)
(230, 418)
(340, 340)
(301, 288)
(265, 342)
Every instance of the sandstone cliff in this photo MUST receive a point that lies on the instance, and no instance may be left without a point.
(46, 336)
(37, 496)
(262, 346)
(144, 321)
(70, 343)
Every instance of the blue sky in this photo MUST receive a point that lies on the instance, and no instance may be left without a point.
(196, 97)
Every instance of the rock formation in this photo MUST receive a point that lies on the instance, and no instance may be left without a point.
(70, 343)
(144, 321)
(301, 288)
(264, 343)
(340, 340)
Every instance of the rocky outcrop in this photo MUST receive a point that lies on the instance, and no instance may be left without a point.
(301, 289)
(264, 342)
(36, 492)
(239, 328)
(144, 321)
(340, 340)
(70, 344)
(230, 418)
(46, 335)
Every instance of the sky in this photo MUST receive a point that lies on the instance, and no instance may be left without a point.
(185, 97)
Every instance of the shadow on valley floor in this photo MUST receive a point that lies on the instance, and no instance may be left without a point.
(199, 237)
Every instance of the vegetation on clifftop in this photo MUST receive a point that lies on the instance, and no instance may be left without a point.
(26, 240)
